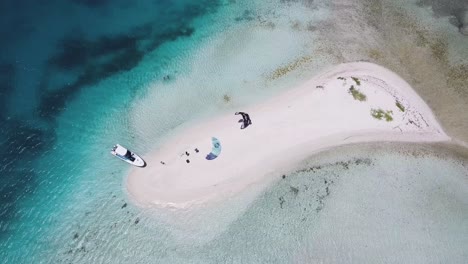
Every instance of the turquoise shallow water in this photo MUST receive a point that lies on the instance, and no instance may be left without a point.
(353, 204)
(105, 72)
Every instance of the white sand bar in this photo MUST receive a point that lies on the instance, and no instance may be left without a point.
(319, 114)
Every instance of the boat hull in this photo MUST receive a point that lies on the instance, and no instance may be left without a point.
(137, 160)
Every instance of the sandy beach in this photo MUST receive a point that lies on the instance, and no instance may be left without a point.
(349, 103)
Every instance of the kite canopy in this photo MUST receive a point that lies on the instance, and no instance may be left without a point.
(215, 149)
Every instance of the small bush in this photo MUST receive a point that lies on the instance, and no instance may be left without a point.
(400, 106)
(356, 80)
(357, 95)
(380, 114)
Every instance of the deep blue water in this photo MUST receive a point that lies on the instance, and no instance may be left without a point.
(51, 51)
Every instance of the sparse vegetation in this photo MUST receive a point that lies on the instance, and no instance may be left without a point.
(296, 25)
(375, 54)
(281, 71)
(357, 95)
(458, 77)
(380, 114)
(400, 106)
(439, 49)
(356, 80)
(311, 26)
(294, 190)
(267, 24)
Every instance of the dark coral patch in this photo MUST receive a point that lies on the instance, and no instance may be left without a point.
(92, 3)
(98, 59)
(22, 144)
(7, 79)
(77, 51)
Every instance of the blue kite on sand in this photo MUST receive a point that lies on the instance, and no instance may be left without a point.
(215, 149)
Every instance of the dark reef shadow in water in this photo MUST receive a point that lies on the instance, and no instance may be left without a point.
(445, 7)
(455, 8)
(92, 3)
(91, 61)
(101, 58)
(7, 79)
(94, 62)
(21, 144)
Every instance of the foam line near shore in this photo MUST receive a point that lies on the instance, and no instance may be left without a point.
(352, 102)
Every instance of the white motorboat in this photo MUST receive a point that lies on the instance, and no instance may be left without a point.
(127, 156)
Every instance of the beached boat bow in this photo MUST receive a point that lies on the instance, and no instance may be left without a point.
(127, 156)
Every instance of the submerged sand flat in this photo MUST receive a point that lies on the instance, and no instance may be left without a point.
(353, 102)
